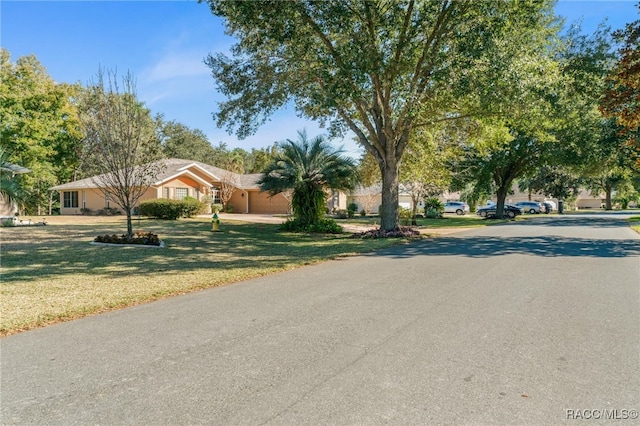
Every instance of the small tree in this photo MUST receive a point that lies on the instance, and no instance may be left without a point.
(120, 143)
(228, 184)
(308, 167)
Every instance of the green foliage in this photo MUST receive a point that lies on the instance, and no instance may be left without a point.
(342, 214)
(39, 127)
(380, 69)
(433, 203)
(109, 211)
(163, 208)
(308, 168)
(405, 216)
(323, 226)
(216, 208)
(433, 207)
(179, 141)
(352, 208)
(7, 223)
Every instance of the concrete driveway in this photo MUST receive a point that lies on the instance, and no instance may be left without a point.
(534, 322)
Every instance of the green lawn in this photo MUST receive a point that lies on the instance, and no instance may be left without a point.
(635, 223)
(52, 273)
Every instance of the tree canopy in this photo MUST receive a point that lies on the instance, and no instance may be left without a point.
(377, 68)
(39, 129)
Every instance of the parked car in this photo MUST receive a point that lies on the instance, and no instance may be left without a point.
(547, 207)
(457, 207)
(510, 211)
(530, 206)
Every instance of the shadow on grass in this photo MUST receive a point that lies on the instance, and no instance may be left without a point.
(65, 250)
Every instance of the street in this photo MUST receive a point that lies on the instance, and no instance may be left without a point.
(531, 322)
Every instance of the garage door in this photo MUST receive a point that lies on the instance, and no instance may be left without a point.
(262, 203)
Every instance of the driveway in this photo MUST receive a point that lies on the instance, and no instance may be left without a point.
(534, 322)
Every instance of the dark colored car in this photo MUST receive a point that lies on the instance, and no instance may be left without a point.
(510, 211)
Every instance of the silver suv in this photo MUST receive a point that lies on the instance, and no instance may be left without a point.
(530, 206)
(457, 207)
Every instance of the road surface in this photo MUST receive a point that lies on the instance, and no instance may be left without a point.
(534, 322)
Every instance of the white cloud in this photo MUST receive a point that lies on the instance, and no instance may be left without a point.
(176, 65)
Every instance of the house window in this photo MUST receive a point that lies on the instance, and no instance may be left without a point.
(70, 199)
(181, 193)
(107, 200)
(215, 194)
(165, 192)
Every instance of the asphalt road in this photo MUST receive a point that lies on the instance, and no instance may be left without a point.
(535, 322)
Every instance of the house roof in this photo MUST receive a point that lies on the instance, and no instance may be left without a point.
(175, 167)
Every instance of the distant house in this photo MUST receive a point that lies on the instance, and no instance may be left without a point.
(180, 178)
(8, 208)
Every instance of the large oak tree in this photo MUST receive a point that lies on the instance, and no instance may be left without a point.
(377, 68)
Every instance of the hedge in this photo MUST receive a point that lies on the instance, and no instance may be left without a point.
(164, 208)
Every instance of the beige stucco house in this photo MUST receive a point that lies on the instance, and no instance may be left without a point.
(179, 179)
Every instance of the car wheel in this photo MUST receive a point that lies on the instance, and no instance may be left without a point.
(511, 214)
(532, 211)
(459, 212)
(483, 214)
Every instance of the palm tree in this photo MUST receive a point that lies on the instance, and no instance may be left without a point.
(308, 168)
(10, 189)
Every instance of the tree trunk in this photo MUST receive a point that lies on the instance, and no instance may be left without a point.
(390, 194)
(501, 195)
(414, 209)
(607, 199)
(129, 224)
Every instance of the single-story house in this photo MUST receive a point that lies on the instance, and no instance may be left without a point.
(179, 179)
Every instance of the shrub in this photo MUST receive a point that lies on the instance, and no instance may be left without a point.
(7, 223)
(216, 208)
(363, 212)
(108, 211)
(163, 208)
(324, 226)
(86, 211)
(405, 215)
(191, 207)
(433, 207)
(342, 214)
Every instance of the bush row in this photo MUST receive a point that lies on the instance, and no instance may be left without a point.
(164, 208)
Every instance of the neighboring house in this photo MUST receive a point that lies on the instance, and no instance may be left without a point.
(9, 208)
(180, 178)
(370, 198)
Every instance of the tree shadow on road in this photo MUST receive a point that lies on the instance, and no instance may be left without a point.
(548, 246)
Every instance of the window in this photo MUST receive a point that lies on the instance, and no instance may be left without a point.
(107, 200)
(215, 194)
(165, 192)
(70, 199)
(181, 193)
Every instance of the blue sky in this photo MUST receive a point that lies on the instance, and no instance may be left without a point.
(163, 43)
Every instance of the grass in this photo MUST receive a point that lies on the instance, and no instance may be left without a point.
(52, 273)
(635, 223)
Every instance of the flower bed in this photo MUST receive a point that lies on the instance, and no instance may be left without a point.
(139, 238)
